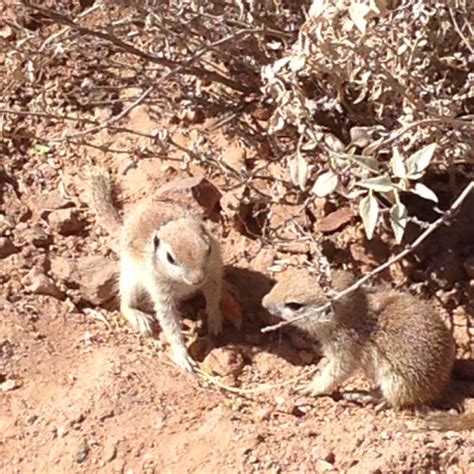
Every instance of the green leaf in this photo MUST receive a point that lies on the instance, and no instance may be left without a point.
(424, 191)
(381, 184)
(369, 212)
(419, 161)
(325, 184)
(398, 220)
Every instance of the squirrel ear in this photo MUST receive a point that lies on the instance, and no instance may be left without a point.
(156, 241)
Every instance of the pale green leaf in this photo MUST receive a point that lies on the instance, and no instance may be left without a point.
(370, 163)
(297, 62)
(419, 161)
(299, 171)
(369, 212)
(398, 220)
(358, 13)
(42, 149)
(424, 191)
(381, 184)
(325, 184)
(398, 166)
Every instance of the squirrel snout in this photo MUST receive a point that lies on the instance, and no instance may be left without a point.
(195, 278)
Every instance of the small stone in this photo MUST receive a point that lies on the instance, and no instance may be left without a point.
(7, 247)
(60, 432)
(9, 384)
(95, 276)
(300, 410)
(36, 236)
(225, 361)
(82, 452)
(323, 466)
(66, 222)
(324, 453)
(52, 202)
(38, 283)
(110, 452)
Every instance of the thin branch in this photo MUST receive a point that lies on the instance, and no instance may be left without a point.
(408, 249)
(455, 123)
(129, 48)
(460, 33)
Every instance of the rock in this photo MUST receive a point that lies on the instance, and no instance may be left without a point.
(321, 452)
(110, 452)
(225, 361)
(52, 202)
(95, 276)
(469, 266)
(7, 247)
(323, 466)
(40, 284)
(36, 236)
(9, 384)
(235, 157)
(66, 222)
(82, 452)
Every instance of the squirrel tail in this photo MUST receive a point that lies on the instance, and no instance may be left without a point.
(100, 199)
(450, 421)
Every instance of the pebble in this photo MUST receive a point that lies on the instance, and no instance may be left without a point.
(38, 283)
(66, 222)
(9, 384)
(82, 452)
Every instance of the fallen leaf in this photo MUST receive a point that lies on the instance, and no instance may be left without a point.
(335, 220)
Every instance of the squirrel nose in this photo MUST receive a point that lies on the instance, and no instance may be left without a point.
(195, 278)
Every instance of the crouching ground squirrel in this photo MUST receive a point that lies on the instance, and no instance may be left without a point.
(399, 341)
(166, 254)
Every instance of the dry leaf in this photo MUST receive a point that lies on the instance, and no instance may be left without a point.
(335, 220)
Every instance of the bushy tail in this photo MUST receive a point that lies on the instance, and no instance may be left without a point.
(450, 421)
(100, 199)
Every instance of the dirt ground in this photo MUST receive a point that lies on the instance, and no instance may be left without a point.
(81, 392)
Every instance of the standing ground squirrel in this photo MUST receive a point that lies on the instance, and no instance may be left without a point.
(166, 254)
(400, 342)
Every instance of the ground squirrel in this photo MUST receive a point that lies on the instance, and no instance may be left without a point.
(399, 341)
(166, 254)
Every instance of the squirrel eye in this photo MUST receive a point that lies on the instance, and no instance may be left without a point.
(170, 258)
(294, 306)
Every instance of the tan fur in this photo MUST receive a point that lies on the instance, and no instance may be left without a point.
(166, 254)
(399, 341)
